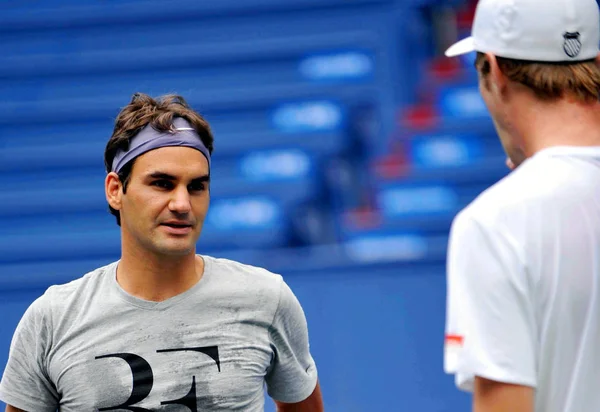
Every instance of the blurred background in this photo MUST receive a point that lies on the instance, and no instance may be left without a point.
(344, 146)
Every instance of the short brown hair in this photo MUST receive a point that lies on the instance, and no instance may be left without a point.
(550, 81)
(160, 113)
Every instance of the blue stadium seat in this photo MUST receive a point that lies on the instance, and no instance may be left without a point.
(72, 146)
(69, 13)
(70, 191)
(366, 247)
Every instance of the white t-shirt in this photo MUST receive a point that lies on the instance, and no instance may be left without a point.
(524, 282)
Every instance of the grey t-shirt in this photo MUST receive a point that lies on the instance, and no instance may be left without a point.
(89, 346)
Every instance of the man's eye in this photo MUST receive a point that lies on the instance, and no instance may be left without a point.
(197, 187)
(164, 184)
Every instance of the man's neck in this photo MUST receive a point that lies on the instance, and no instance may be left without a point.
(157, 278)
(562, 123)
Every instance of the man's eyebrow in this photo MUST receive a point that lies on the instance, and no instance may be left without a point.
(161, 175)
(200, 179)
(166, 176)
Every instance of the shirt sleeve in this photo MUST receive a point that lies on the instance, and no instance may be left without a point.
(292, 375)
(490, 322)
(25, 383)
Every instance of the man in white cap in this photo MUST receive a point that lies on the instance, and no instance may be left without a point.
(523, 309)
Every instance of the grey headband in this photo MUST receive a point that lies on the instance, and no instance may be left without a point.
(149, 139)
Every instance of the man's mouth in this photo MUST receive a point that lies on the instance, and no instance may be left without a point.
(177, 228)
(177, 225)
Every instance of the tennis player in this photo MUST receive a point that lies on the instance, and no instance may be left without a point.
(162, 328)
(523, 269)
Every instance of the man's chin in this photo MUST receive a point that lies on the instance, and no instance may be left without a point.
(176, 250)
(515, 161)
(510, 164)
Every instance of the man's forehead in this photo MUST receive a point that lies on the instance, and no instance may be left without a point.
(174, 161)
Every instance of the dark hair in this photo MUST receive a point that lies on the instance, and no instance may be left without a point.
(160, 113)
(550, 81)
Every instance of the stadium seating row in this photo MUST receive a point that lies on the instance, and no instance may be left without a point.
(300, 113)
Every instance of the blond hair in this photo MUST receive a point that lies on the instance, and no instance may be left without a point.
(550, 81)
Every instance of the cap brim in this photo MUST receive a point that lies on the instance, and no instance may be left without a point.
(462, 47)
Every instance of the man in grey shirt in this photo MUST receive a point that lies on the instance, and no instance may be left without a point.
(162, 329)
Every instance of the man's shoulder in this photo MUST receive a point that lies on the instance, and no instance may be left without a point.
(246, 285)
(62, 294)
(529, 185)
(60, 298)
(243, 272)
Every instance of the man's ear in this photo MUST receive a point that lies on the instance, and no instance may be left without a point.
(113, 189)
(498, 80)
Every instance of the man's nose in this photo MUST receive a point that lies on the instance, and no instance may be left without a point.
(180, 200)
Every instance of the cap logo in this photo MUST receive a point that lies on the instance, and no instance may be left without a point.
(572, 44)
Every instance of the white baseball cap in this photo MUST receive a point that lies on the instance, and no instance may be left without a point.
(534, 30)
